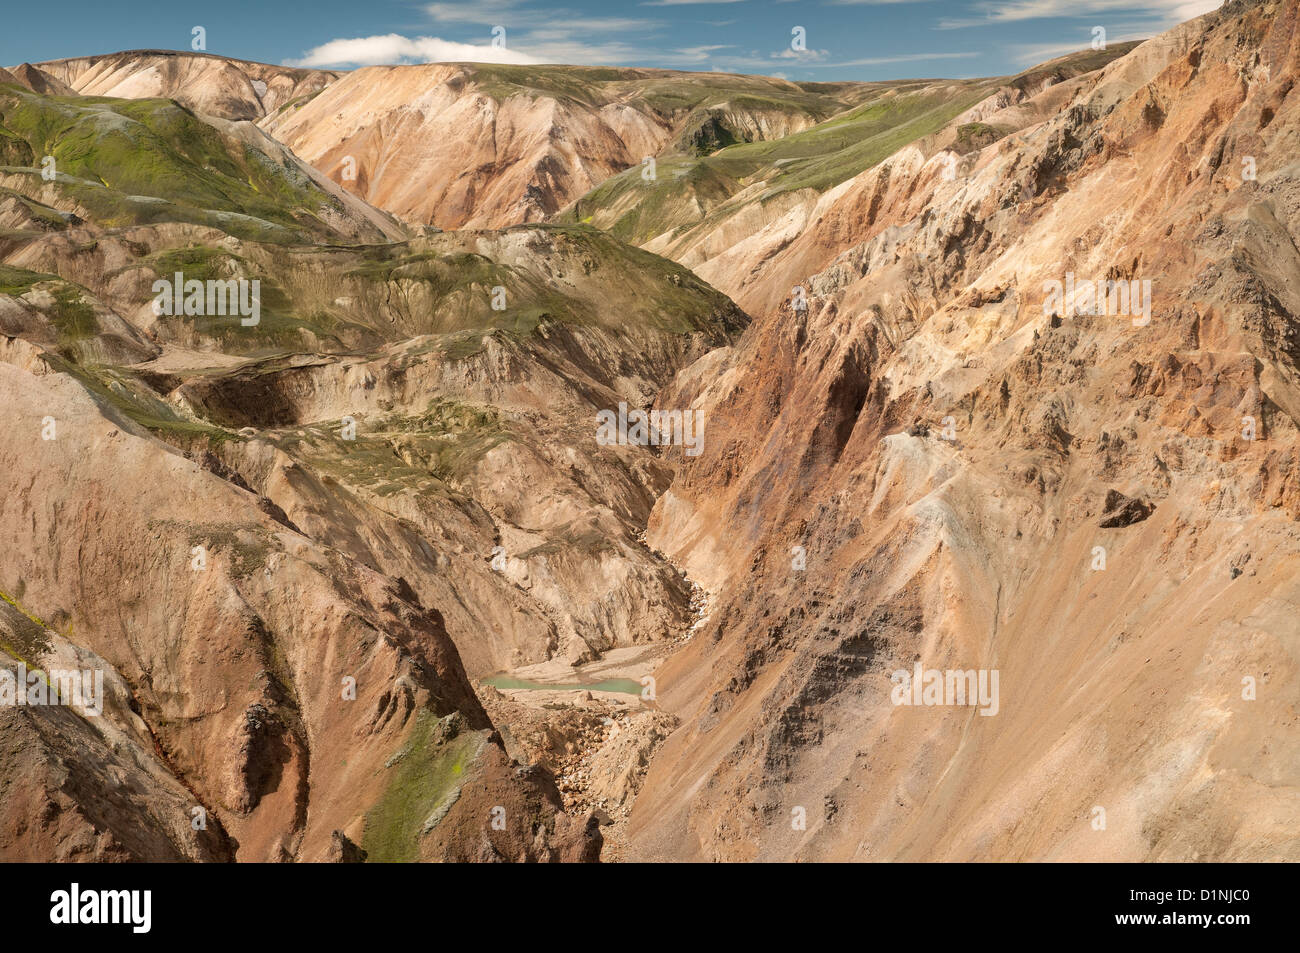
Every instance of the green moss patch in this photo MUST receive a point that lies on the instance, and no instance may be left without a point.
(19, 281)
(28, 640)
(423, 778)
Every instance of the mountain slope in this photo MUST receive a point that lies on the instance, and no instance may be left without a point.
(119, 163)
(741, 201)
(474, 145)
(213, 85)
(342, 470)
(984, 477)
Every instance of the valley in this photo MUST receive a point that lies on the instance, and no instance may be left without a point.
(367, 580)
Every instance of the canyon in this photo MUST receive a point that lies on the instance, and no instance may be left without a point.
(365, 582)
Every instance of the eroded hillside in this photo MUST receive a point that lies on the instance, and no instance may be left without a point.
(700, 204)
(365, 582)
(289, 536)
(212, 85)
(474, 145)
(975, 474)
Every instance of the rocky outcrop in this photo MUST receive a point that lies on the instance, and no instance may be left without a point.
(1121, 510)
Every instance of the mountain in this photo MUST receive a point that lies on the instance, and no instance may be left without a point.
(213, 85)
(980, 475)
(38, 81)
(477, 145)
(464, 144)
(123, 163)
(706, 205)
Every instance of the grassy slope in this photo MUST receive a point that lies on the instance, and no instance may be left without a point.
(687, 188)
(359, 298)
(131, 162)
(449, 290)
(891, 115)
(424, 779)
(71, 315)
(151, 161)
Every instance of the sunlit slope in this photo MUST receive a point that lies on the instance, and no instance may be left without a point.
(135, 162)
(690, 194)
(475, 145)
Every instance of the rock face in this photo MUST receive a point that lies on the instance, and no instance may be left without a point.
(37, 80)
(1145, 693)
(343, 851)
(240, 672)
(1121, 510)
(82, 786)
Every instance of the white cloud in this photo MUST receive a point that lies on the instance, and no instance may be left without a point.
(532, 35)
(1030, 54)
(904, 58)
(513, 16)
(483, 11)
(692, 53)
(560, 35)
(683, 3)
(1165, 12)
(393, 49)
(555, 34)
(818, 60)
(810, 56)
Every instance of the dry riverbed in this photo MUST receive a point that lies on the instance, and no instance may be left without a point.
(595, 727)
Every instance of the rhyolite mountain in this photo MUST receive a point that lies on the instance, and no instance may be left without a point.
(415, 546)
(214, 85)
(950, 451)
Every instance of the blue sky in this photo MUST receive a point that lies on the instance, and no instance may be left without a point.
(844, 39)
